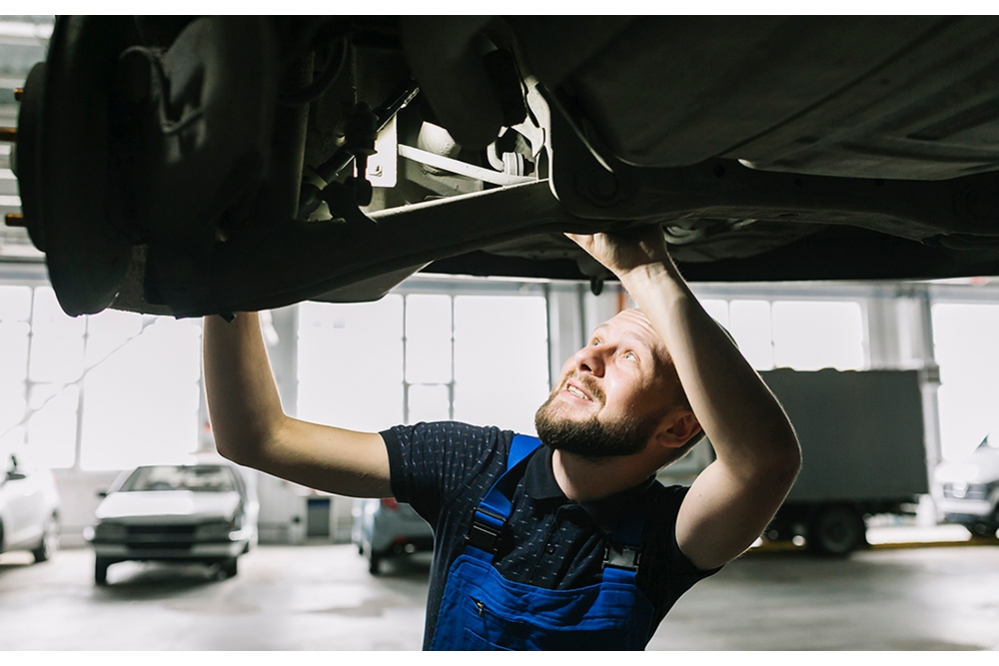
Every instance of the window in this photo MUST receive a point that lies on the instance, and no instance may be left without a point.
(810, 335)
(55, 366)
(964, 340)
(424, 357)
(57, 341)
(142, 395)
(15, 314)
(749, 324)
(804, 335)
(52, 424)
(717, 309)
(350, 363)
(429, 358)
(501, 360)
(119, 388)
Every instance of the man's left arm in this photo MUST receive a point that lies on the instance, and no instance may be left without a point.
(730, 503)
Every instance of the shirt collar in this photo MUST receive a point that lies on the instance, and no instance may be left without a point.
(540, 485)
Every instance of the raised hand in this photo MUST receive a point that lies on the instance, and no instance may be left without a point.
(622, 252)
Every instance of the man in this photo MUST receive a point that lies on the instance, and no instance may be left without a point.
(572, 545)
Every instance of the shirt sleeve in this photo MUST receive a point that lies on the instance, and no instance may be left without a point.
(432, 463)
(673, 573)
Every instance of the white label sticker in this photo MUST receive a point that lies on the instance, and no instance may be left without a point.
(382, 166)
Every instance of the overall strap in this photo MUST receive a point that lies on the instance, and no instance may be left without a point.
(494, 508)
(624, 544)
(521, 447)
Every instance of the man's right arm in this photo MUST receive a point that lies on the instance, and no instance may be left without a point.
(251, 428)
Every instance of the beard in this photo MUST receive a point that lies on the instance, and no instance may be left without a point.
(592, 439)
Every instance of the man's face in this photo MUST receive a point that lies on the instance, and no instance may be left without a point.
(612, 394)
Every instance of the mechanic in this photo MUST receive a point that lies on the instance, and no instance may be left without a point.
(570, 545)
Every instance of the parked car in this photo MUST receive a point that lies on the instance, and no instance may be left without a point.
(175, 513)
(971, 490)
(387, 528)
(29, 510)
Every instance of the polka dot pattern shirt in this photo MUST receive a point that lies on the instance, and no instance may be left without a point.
(444, 469)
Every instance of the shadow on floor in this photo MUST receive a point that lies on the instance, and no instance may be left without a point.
(140, 581)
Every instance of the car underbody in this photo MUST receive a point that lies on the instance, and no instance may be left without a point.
(193, 166)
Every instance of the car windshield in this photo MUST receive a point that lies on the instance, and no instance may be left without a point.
(199, 478)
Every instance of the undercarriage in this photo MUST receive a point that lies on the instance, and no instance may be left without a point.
(192, 166)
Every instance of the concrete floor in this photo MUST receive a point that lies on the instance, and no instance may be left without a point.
(322, 598)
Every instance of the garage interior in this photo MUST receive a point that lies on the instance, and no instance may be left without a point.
(92, 396)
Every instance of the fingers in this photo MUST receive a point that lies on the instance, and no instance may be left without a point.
(585, 241)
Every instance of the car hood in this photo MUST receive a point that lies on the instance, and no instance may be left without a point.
(173, 504)
(979, 467)
(987, 464)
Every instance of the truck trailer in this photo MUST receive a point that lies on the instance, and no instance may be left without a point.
(863, 453)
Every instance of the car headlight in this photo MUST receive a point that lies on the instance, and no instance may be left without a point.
(105, 531)
(216, 529)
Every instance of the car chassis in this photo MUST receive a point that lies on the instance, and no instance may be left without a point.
(194, 166)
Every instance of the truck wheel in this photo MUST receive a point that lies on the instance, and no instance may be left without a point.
(836, 531)
(983, 529)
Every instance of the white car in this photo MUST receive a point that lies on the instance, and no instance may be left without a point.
(971, 490)
(175, 513)
(29, 510)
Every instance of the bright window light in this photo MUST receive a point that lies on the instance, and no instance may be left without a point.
(350, 369)
(428, 339)
(13, 353)
(52, 426)
(810, 335)
(48, 316)
(108, 331)
(428, 403)
(718, 309)
(140, 403)
(964, 337)
(749, 324)
(12, 407)
(15, 303)
(501, 360)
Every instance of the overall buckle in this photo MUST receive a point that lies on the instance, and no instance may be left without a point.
(622, 557)
(484, 534)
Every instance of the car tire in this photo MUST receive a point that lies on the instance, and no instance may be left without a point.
(50, 540)
(982, 529)
(230, 567)
(836, 531)
(373, 563)
(101, 571)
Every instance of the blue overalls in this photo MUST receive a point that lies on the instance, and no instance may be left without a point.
(482, 610)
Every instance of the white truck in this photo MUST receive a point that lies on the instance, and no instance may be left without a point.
(863, 453)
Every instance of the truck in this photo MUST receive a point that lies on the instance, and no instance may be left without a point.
(863, 453)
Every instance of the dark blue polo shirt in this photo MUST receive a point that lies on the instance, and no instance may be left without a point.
(444, 469)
